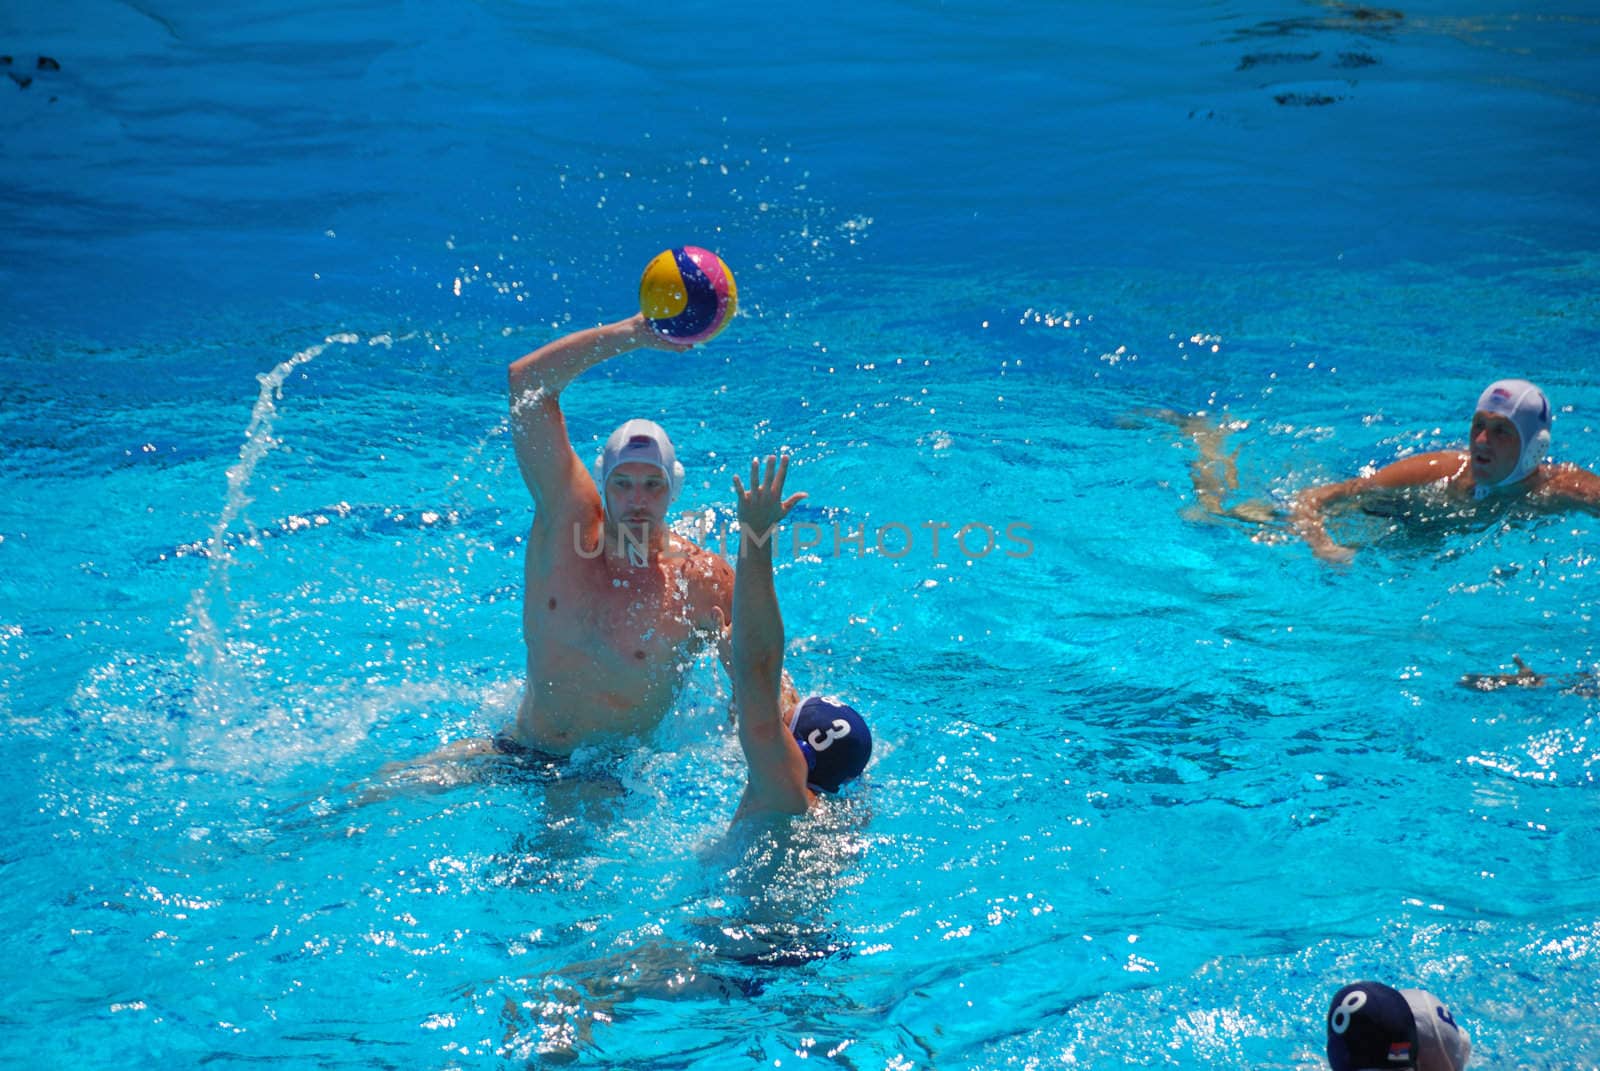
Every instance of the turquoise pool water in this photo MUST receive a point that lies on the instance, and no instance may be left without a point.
(1144, 796)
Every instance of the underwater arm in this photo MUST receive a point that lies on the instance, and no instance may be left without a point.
(1306, 516)
(1524, 677)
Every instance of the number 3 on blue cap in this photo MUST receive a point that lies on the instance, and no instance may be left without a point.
(838, 731)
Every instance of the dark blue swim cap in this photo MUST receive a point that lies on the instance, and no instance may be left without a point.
(1370, 1025)
(835, 741)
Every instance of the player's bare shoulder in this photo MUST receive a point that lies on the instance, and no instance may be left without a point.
(1566, 485)
(702, 566)
(707, 577)
(1418, 470)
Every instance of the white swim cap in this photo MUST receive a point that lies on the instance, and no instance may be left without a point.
(1525, 406)
(639, 440)
(1441, 1044)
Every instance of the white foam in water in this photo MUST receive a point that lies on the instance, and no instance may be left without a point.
(208, 649)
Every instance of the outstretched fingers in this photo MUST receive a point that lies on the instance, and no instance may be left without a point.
(761, 501)
(777, 473)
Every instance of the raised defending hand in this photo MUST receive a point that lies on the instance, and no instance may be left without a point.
(763, 505)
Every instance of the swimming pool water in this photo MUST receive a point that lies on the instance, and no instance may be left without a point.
(1143, 796)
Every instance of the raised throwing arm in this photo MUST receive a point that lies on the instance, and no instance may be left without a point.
(549, 466)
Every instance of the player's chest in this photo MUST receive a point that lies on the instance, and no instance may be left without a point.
(644, 610)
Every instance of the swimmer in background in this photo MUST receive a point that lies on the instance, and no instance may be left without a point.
(794, 750)
(1503, 464)
(1504, 461)
(1583, 684)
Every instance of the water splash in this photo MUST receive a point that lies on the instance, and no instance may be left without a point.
(207, 648)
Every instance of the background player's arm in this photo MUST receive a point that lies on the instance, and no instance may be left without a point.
(1306, 516)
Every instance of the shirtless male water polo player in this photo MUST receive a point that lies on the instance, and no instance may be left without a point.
(614, 602)
(1504, 461)
(1502, 464)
